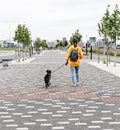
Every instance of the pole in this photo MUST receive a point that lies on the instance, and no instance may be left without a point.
(86, 45)
(91, 52)
(86, 49)
(98, 52)
(10, 32)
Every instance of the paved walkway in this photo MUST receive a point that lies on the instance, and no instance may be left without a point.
(25, 104)
(111, 68)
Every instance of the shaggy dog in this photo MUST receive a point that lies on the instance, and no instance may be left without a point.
(47, 78)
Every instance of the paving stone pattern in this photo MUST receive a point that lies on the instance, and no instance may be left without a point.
(25, 104)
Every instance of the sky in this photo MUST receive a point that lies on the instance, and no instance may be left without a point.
(53, 19)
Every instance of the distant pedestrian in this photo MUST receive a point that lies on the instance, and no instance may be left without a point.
(74, 56)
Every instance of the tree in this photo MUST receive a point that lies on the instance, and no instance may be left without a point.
(38, 43)
(44, 44)
(65, 43)
(23, 36)
(103, 28)
(109, 27)
(62, 43)
(76, 35)
(26, 40)
(114, 33)
(18, 37)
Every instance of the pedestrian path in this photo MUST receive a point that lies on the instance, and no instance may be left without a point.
(110, 68)
(27, 105)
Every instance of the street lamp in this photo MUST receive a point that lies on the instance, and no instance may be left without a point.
(86, 45)
(10, 32)
(9, 24)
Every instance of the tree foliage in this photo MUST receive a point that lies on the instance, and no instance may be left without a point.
(76, 35)
(40, 43)
(23, 35)
(109, 26)
(115, 24)
(63, 43)
(103, 26)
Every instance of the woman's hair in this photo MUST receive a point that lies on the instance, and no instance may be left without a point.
(75, 40)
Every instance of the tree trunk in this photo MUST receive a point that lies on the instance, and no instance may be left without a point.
(107, 56)
(115, 54)
(104, 51)
(18, 50)
(106, 42)
(98, 53)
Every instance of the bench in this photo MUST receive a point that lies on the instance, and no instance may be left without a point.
(5, 62)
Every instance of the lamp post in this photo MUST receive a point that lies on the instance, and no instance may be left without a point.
(10, 32)
(9, 27)
(86, 45)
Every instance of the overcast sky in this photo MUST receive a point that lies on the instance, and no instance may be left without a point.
(53, 19)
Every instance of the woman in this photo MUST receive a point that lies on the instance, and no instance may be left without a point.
(74, 56)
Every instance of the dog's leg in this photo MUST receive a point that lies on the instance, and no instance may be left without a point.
(47, 85)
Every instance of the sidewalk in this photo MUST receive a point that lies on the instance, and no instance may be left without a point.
(110, 68)
(25, 103)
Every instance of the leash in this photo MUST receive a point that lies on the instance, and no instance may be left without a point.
(58, 68)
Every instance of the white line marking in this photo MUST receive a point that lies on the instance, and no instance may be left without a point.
(11, 125)
(41, 120)
(76, 112)
(91, 127)
(5, 117)
(106, 118)
(57, 115)
(61, 111)
(8, 120)
(57, 128)
(97, 121)
(73, 119)
(32, 112)
(17, 114)
(81, 123)
(87, 114)
(63, 122)
(114, 123)
(29, 123)
(45, 124)
(22, 128)
(26, 116)
(3, 113)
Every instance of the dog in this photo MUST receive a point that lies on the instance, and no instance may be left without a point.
(47, 78)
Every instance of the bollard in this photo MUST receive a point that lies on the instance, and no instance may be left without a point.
(5, 62)
(86, 49)
(91, 52)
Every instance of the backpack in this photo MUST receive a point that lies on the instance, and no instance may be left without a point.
(74, 55)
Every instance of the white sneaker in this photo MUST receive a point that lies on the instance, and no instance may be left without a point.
(74, 84)
(78, 83)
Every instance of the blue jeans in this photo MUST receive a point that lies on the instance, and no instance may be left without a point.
(75, 71)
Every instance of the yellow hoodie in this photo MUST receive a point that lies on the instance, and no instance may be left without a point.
(80, 55)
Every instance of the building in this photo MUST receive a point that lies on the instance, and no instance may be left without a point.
(7, 44)
(92, 41)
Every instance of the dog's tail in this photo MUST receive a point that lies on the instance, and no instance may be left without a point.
(58, 68)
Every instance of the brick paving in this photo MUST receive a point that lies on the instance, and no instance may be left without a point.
(25, 104)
